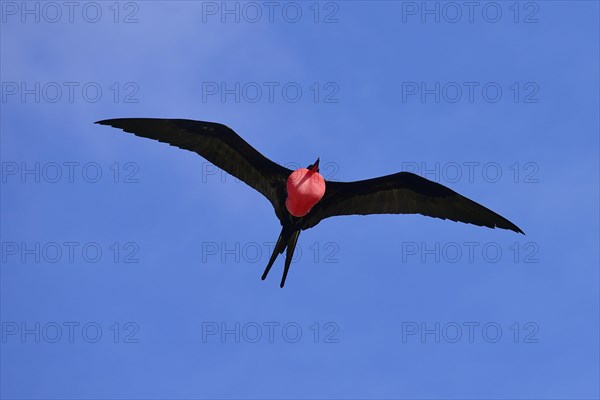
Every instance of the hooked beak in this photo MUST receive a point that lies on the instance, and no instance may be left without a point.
(315, 166)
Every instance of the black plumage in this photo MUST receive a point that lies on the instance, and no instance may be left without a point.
(401, 193)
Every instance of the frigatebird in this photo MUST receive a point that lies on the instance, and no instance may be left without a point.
(303, 198)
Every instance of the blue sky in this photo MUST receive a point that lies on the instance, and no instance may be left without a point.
(131, 269)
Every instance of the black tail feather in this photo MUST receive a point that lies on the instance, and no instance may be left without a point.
(291, 246)
(279, 248)
(287, 239)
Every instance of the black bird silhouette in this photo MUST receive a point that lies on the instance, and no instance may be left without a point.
(302, 198)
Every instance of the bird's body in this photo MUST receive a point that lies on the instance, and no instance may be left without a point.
(302, 198)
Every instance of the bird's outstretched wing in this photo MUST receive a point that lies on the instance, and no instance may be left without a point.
(402, 193)
(218, 144)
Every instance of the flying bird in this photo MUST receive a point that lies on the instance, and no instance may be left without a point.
(303, 198)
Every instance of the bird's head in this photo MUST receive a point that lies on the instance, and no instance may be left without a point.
(314, 167)
(305, 188)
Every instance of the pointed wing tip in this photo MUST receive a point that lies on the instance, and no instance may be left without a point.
(512, 227)
(127, 124)
(118, 122)
(104, 122)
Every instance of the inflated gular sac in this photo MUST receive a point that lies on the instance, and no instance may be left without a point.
(304, 189)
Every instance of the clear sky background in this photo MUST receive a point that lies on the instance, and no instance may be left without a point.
(144, 281)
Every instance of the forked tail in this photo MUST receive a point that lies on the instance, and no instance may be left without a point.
(287, 239)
